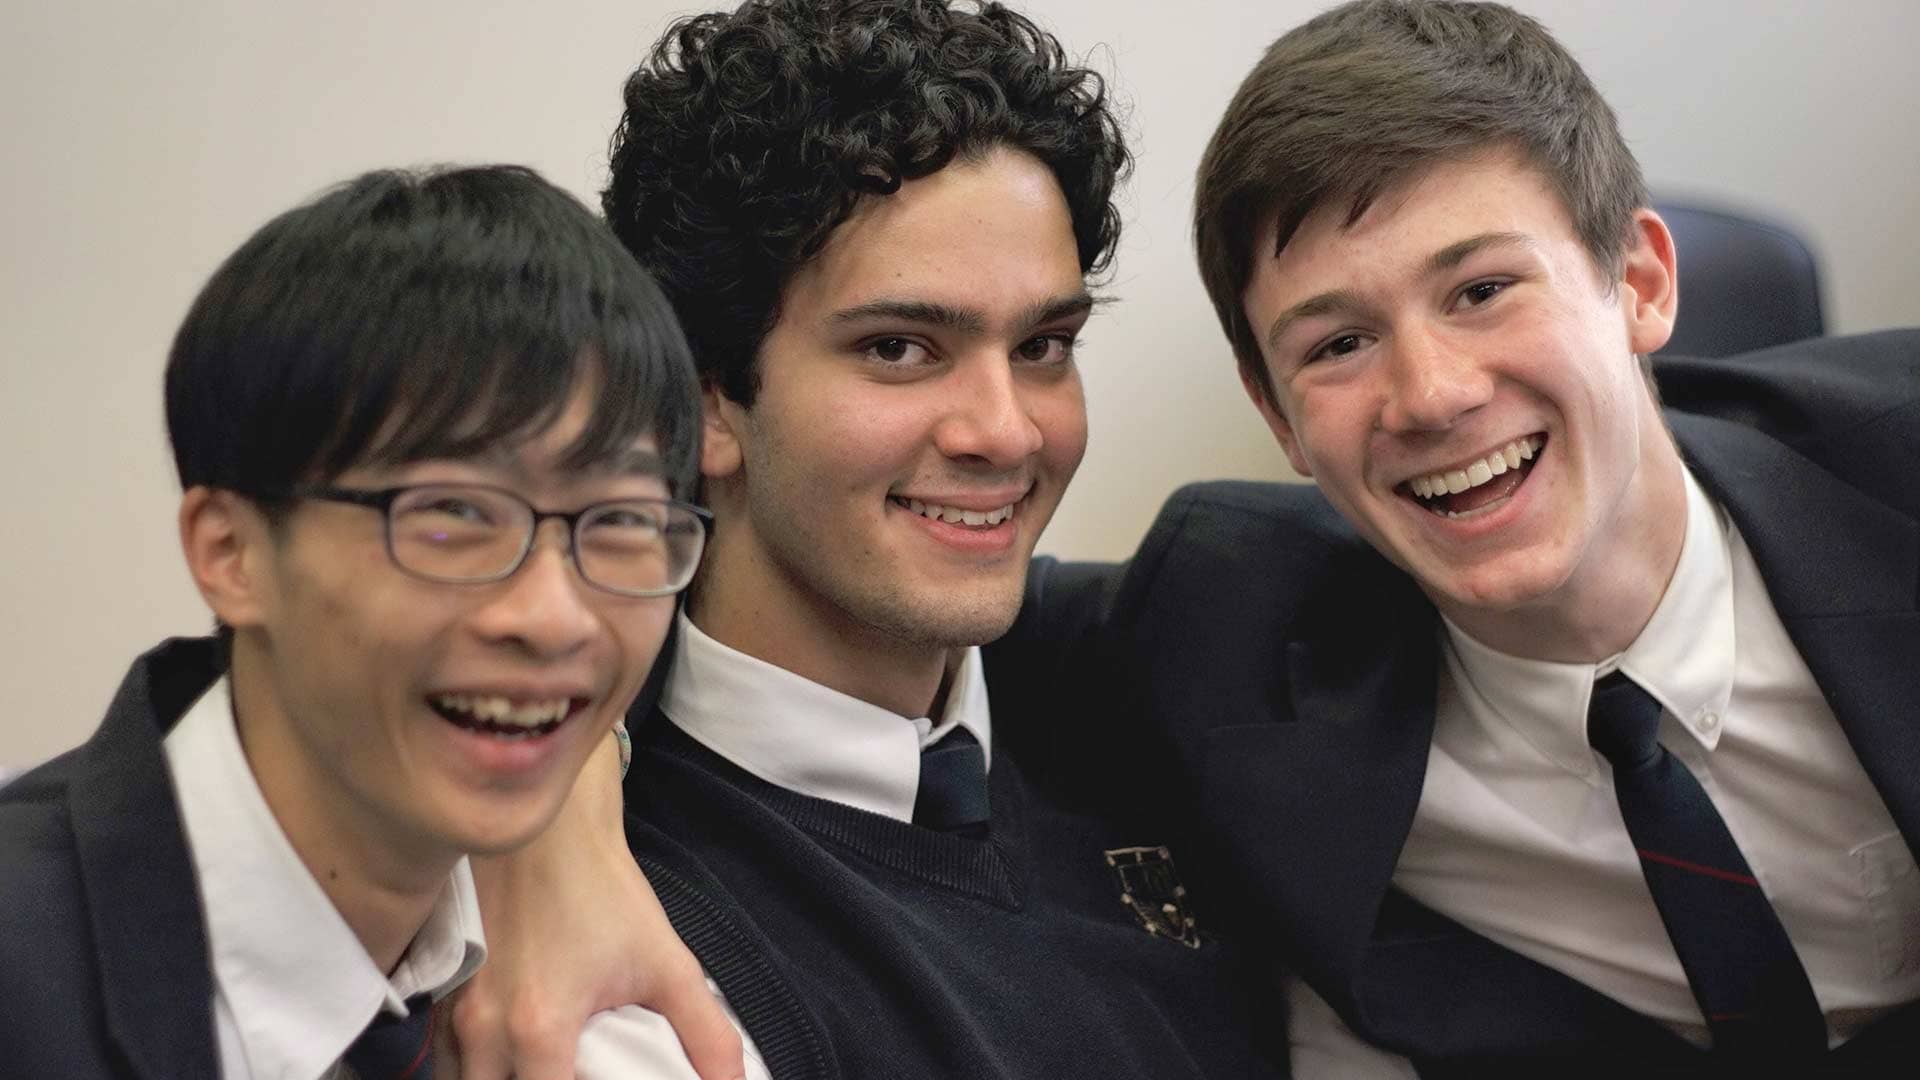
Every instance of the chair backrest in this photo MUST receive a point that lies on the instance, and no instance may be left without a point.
(1745, 283)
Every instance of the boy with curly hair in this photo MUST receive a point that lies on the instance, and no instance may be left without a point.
(877, 220)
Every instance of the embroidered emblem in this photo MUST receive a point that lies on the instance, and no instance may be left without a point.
(1151, 889)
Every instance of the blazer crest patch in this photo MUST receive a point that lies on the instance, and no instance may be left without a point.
(1151, 889)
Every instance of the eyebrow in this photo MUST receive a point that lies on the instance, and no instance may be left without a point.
(1440, 261)
(923, 312)
(1456, 253)
(1323, 304)
(961, 320)
(1063, 307)
(633, 461)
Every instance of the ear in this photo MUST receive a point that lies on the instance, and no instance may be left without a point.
(1276, 422)
(721, 420)
(1650, 284)
(225, 538)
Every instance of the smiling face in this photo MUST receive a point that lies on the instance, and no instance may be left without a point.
(1460, 380)
(395, 721)
(918, 418)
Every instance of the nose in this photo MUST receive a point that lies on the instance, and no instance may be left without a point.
(1432, 384)
(543, 608)
(990, 419)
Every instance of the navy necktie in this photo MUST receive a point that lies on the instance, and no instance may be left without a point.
(396, 1048)
(1738, 959)
(953, 785)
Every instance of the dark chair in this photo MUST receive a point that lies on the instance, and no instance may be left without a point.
(1744, 283)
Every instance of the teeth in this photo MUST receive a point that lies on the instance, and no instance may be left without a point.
(1455, 481)
(502, 712)
(955, 515)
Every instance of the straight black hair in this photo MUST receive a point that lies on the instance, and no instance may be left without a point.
(407, 315)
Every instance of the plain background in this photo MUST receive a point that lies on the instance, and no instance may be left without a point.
(144, 141)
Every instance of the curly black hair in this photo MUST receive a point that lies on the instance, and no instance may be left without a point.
(750, 136)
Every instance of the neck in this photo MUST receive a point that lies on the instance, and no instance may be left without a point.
(802, 632)
(384, 887)
(1617, 584)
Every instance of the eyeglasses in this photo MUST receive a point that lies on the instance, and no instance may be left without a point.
(470, 533)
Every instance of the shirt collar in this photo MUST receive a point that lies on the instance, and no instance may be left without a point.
(1684, 657)
(298, 983)
(808, 738)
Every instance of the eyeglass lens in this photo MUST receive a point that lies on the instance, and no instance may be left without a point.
(454, 533)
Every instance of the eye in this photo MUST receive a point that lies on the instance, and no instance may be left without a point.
(896, 352)
(1047, 349)
(444, 519)
(628, 518)
(448, 507)
(1480, 292)
(624, 531)
(1336, 347)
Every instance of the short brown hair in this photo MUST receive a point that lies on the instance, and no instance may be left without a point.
(1367, 96)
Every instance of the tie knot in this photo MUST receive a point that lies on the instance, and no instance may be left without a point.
(1623, 722)
(953, 784)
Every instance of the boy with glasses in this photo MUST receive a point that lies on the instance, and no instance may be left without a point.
(430, 428)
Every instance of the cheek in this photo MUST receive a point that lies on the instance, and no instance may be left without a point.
(852, 437)
(1324, 435)
(380, 628)
(333, 604)
(1062, 419)
(642, 629)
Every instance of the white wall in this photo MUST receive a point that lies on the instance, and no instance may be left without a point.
(144, 141)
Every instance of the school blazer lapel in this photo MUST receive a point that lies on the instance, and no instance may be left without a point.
(1351, 729)
(1843, 571)
(142, 899)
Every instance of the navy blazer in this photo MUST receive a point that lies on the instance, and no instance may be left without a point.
(104, 968)
(1269, 679)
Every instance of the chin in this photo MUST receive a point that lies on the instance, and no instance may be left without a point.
(956, 622)
(1506, 585)
(507, 826)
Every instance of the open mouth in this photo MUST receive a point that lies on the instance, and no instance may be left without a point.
(1480, 484)
(503, 717)
(954, 515)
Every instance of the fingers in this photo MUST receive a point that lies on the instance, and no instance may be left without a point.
(446, 1048)
(522, 1039)
(480, 1033)
(706, 1034)
(543, 1040)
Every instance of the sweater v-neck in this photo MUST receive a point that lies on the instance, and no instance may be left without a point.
(992, 869)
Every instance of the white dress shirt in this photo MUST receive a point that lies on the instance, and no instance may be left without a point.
(1518, 835)
(808, 738)
(802, 736)
(292, 985)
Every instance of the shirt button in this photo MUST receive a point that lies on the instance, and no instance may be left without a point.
(1709, 720)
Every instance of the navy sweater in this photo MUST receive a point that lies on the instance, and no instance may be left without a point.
(855, 945)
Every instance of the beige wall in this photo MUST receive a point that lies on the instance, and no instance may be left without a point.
(145, 140)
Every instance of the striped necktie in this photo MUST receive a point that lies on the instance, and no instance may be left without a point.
(394, 1047)
(1737, 957)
